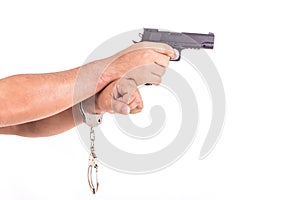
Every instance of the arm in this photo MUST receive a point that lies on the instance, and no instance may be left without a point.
(61, 122)
(32, 97)
(50, 126)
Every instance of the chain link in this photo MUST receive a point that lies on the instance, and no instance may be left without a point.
(92, 138)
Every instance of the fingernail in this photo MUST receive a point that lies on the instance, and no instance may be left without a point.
(125, 110)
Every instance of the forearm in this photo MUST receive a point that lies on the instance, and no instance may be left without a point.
(50, 126)
(32, 97)
(27, 98)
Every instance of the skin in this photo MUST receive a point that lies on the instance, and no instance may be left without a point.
(71, 117)
(46, 104)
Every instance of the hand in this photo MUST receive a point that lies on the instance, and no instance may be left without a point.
(143, 62)
(121, 96)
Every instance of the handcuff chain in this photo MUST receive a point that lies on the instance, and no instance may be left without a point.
(93, 166)
(92, 138)
(92, 120)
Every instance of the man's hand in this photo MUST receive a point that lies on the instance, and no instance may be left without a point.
(121, 96)
(139, 64)
(146, 63)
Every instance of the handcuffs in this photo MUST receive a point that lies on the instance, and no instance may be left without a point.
(92, 120)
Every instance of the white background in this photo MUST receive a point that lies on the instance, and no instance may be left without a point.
(256, 53)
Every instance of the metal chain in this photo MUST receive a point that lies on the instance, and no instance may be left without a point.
(93, 165)
(92, 138)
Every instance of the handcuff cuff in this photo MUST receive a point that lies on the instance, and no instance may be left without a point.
(92, 120)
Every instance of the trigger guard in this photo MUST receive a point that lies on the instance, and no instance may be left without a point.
(177, 52)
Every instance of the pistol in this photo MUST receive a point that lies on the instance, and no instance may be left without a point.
(179, 41)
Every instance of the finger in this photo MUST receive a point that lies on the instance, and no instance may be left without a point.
(154, 79)
(162, 60)
(135, 111)
(138, 109)
(120, 107)
(133, 105)
(125, 89)
(157, 69)
(127, 98)
(146, 74)
(159, 73)
(136, 105)
(159, 47)
(138, 98)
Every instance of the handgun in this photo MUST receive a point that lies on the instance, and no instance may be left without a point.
(179, 41)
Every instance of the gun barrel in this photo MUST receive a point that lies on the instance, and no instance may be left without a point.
(205, 40)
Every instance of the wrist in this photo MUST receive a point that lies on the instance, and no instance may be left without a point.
(90, 105)
(91, 119)
(106, 73)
